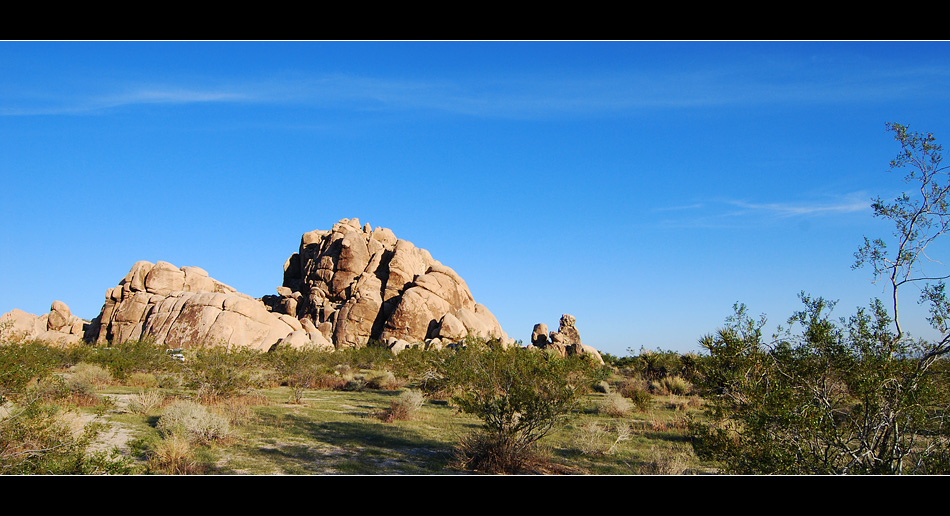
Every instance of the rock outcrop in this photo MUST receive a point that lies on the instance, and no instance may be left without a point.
(357, 283)
(342, 288)
(179, 307)
(565, 341)
(58, 326)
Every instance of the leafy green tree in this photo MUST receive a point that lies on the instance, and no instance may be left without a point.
(856, 395)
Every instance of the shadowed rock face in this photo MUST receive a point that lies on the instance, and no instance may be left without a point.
(343, 287)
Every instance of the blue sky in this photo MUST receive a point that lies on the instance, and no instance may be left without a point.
(643, 187)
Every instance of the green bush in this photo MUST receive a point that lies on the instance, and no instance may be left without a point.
(22, 363)
(218, 372)
(123, 359)
(519, 394)
(40, 437)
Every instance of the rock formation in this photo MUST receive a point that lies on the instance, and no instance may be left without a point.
(565, 341)
(58, 326)
(356, 283)
(179, 307)
(342, 288)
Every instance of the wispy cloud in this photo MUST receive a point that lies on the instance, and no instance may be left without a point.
(850, 204)
(738, 213)
(522, 95)
(77, 104)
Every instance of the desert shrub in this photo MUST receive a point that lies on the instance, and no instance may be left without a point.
(436, 386)
(676, 385)
(519, 394)
(125, 358)
(173, 455)
(404, 407)
(194, 421)
(637, 392)
(666, 461)
(217, 372)
(145, 401)
(169, 381)
(140, 379)
(41, 438)
(386, 381)
(329, 381)
(615, 405)
(678, 404)
(601, 387)
(374, 355)
(653, 365)
(239, 409)
(354, 384)
(22, 363)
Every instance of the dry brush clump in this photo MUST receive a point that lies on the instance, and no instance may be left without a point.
(615, 405)
(404, 407)
(145, 401)
(174, 455)
(638, 392)
(673, 384)
(594, 438)
(193, 421)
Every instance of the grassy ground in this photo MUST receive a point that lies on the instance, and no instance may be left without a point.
(343, 432)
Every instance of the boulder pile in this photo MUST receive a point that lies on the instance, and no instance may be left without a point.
(342, 288)
(565, 341)
(356, 283)
(57, 326)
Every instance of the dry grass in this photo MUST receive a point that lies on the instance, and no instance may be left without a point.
(405, 407)
(666, 461)
(615, 405)
(671, 385)
(145, 401)
(174, 455)
(92, 374)
(194, 421)
(594, 438)
(144, 380)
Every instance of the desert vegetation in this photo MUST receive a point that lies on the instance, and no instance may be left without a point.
(483, 408)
